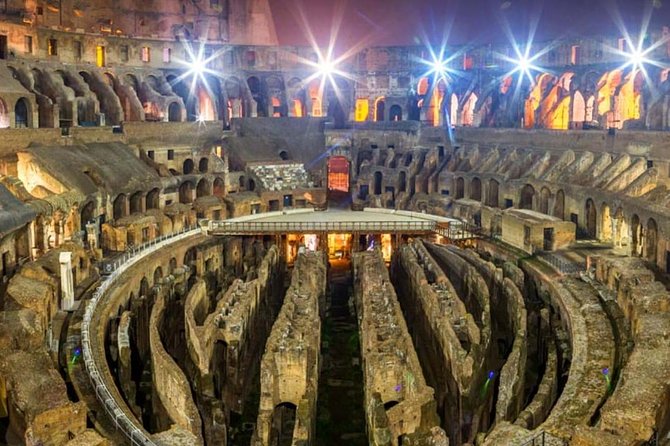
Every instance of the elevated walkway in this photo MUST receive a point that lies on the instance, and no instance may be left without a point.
(369, 221)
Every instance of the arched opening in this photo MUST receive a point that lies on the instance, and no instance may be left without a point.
(158, 275)
(144, 288)
(434, 113)
(257, 94)
(591, 218)
(252, 185)
(476, 189)
(315, 91)
(283, 155)
(543, 205)
(527, 194)
(468, 111)
(380, 108)
(283, 423)
(173, 265)
(453, 111)
(202, 189)
(408, 159)
(460, 188)
(186, 192)
(336, 109)
(219, 187)
(620, 226)
(174, 112)
(578, 110)
(378, 183)
(206, 110)
(636, 229)
(4, 115)
(493, 197)
(395, 113)
(87, 214)
(402, 180)
(119, 206)
(153, 199)
(188, 166)
(21, 115)
(136, 202)
(203, 165)
(606, 226)
(652, 240)
(242, 183)
(559, 205)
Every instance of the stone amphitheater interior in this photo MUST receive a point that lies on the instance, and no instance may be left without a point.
(212, 237)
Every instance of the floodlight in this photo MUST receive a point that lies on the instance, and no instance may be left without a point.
(326, 67)
(197, 66)
(439, 67)
(523, 64)
(636, 58)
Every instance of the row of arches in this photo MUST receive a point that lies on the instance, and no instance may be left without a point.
(598, 222)
(18, 116)
(139, 201)
(188, 166)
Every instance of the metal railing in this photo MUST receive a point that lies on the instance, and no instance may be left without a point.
(564, 266)
(134, 432)
(542, 439)
(274, 227)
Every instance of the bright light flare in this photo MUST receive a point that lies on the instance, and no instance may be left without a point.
(525, 63)
(438, 63)
(326, 68)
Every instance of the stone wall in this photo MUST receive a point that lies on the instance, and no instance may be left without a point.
(399, 405)
(640, 405)
(291, 362)
(170, 382)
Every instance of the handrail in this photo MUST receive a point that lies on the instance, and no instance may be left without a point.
(135, 434)
(259, 227)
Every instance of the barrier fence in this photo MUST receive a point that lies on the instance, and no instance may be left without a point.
(275, 227)
(134, 432)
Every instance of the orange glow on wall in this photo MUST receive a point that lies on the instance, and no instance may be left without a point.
(276, 103)
(206, 107)
(628, 99)
(100, 56)
(555, 106)
(506, 84)
(297, 108)
(534, 101)
(422, 87)
(338, 174)
(559, 116)
(362, 110)
(339, 245)
(607, 85)
(434, 109)
(387, 247)
(315, 94)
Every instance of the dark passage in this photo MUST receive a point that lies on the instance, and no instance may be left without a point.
(340, 413)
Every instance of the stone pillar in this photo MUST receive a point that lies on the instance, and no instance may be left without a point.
(92, 235)
(67, 285)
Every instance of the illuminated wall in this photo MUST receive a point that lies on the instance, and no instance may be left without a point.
(629, 98)
(362, 110)
(338, 174)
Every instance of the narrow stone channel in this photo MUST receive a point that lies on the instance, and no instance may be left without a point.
(340, 412)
